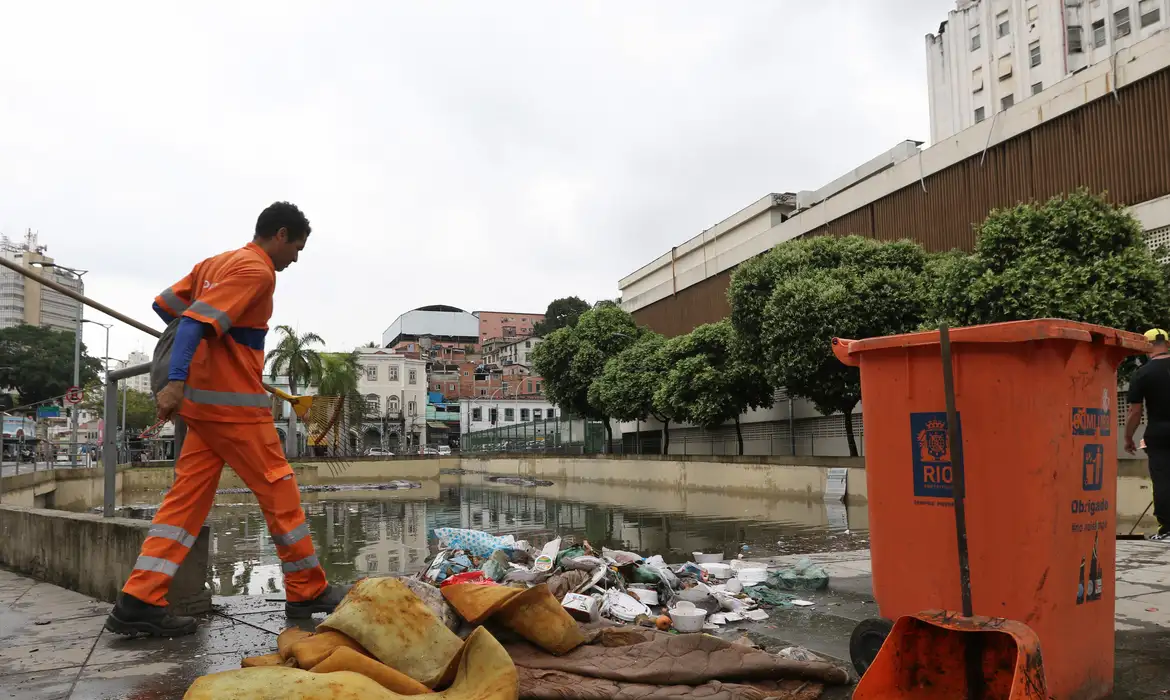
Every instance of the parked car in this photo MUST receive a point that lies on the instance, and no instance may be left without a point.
(378, 452)
(445, 450)
(429, 450)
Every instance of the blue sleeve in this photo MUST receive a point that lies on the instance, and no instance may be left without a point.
(162, 313)
(187, 338)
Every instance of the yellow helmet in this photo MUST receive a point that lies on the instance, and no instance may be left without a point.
(1155, 335)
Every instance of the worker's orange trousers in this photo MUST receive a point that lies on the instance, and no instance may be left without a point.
(254, 452)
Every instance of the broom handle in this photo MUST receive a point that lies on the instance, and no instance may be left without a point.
(79, 297)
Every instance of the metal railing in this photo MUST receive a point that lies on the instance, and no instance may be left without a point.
(109, 444)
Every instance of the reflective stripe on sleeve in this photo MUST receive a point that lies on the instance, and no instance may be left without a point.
(172, 300)
(171, 532)
(293, 536)
(226, 398)
(162, 566)
(204, 309)
(308, 562)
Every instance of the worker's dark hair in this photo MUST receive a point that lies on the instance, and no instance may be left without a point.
(284, 215)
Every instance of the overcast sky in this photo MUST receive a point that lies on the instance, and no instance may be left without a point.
(486, 155)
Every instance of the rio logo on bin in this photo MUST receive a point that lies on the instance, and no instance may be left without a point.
(930, 445)
(1093, 467)
(1091, 422)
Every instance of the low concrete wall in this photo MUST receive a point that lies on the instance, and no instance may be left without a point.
(94, 555)
(800, 477)
(354, 471)
(68, 489)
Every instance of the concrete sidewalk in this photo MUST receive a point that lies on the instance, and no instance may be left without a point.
(53, 646)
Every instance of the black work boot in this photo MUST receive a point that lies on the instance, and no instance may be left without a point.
(132, 617)
(324, 603)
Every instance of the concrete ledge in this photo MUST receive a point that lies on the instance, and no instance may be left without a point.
(94, 555)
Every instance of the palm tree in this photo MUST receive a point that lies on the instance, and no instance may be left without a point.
(341, 372)
(295, 357)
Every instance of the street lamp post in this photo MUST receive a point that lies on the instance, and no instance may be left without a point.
(107, 421)
(76, 357)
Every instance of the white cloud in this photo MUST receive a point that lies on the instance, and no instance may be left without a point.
(485, 155)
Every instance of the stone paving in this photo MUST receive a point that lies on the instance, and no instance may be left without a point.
(53, 645)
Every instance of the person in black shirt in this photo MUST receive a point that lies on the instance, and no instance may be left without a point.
(1150, 388)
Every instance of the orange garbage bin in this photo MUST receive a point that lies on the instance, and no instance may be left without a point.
(1037, 415)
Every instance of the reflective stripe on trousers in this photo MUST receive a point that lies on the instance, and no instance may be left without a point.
(226, 398)
(162, 566)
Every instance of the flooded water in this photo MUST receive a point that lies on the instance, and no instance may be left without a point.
(361, 533)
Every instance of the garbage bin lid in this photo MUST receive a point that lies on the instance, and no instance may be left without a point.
(1010, 332)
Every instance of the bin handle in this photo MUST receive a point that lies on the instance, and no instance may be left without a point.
(841, 350)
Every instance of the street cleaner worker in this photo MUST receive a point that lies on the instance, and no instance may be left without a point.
(1150, 388)
(213, 382)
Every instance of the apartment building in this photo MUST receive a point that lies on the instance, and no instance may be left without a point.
(510, 351)
(991, 54)
(395, 388)
(26, 301)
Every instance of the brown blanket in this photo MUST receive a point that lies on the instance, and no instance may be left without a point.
(638, 663)
(555, 685)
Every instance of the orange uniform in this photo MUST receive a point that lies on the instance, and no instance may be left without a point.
(228, 416)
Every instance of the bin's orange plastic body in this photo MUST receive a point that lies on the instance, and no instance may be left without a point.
(1036, 404)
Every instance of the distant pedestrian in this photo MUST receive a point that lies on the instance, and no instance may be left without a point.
(1150, 389)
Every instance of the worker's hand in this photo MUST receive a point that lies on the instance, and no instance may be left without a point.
(1129, 446)
(169, 399)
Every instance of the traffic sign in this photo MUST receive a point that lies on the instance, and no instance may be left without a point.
(51, 411)
(74, 395)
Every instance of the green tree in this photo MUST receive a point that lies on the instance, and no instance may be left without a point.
(710, 379)
(791, 302)
(627, 386)
(570, 359)
(561, 313)
(340, 375)
(38, 362)
(294, 356)
(141, 411)
(1076, 257)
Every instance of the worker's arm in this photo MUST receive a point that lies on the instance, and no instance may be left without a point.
(187, 337)
(174, 300)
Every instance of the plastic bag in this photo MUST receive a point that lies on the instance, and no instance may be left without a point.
(768, 595)
(620, 556)
(476, 542)
(804, 576)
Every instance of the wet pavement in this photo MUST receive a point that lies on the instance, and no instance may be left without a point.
(53, 647)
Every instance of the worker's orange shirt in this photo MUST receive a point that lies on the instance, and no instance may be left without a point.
(230, 293)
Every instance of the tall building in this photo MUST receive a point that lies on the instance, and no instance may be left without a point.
(141, 382)
(991, 54)
(23, 300)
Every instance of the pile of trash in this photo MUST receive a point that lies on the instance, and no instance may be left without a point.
(458, 632)
(626, 587)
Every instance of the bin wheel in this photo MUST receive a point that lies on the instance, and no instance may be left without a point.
(866, 641)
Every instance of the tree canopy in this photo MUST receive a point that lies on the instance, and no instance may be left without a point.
(1076, 257)
(627, 386)
(570, 359)
(295, 356)
(561, 313)
(38, 362)
(791, 302)
(710, 379)
(141, 411)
